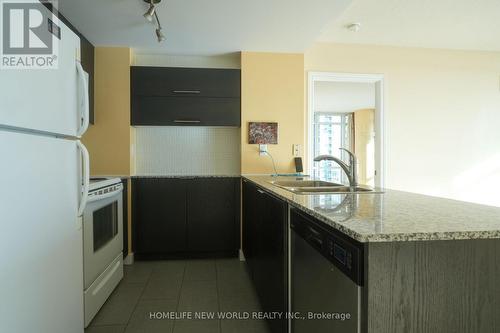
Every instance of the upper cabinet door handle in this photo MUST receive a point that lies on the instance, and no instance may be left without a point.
(187, 92)
(187, 121)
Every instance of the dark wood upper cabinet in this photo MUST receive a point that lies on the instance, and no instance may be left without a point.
(185, 111)
(171, 96)
(193, 82)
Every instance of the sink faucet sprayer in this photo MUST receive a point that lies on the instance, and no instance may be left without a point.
(351, 170)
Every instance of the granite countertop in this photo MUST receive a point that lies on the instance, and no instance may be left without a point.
(185, 176)
(393, 215)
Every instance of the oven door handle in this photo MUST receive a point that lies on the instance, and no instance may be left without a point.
(85, 181)
(107, 195)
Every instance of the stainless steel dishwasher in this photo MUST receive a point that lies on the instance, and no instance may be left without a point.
(326, 278)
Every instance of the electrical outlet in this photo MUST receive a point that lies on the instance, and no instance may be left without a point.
(296, 149)
(262, 150)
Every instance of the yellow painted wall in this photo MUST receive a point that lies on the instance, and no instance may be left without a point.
(442, 110)
(364, 145)
(272, 90)
(108, 141)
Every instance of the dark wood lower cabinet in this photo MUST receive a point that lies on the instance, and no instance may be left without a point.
(159, 210)
(212, 215)
(251, 209)
(185, 217)
(265, 243)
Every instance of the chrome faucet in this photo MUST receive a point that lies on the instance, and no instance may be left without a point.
(351, 170)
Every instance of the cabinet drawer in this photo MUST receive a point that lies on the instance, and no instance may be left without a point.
(194, 82)
(182, 111)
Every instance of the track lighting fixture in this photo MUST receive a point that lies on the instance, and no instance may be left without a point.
(150, 12)
(151, 15)
(159, 35)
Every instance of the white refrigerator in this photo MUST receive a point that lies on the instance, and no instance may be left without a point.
(43, 187)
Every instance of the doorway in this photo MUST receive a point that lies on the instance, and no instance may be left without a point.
(346, 111)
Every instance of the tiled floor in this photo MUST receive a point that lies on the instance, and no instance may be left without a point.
(220, 285)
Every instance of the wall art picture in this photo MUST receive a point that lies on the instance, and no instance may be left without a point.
(262, 133)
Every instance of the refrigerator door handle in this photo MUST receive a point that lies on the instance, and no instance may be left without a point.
(84, 124)
(85, 178)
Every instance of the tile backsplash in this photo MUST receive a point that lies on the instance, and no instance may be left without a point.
(187, 151)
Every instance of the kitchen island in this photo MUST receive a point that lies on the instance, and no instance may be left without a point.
(429, 264)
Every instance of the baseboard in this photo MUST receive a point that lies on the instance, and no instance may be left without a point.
(241, 255)
(129, 259)
(186, 255)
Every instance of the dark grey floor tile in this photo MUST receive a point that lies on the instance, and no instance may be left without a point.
(198, 296)
(119, 306)
(168, 270)
(244, 326)
(148, 317)
(178, 285)
(196, 326)
(229, 270)
(166, 265)
(105, 329)
(230, 264)
(239, 304)
(235, 285)
(168, 287)
(200, 270)
(139, 272)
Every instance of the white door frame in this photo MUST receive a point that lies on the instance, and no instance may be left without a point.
(378, 79)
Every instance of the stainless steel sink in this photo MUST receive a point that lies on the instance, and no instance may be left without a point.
(323, 190)
(318, 187)
(303, 183)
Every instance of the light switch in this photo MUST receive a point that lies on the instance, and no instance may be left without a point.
(296, 149)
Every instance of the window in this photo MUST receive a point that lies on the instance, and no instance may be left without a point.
(331, 132)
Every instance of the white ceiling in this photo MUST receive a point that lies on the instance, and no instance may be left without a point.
(454, 24)
(202, 27)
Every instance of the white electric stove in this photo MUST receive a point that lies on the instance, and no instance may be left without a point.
(102, 243)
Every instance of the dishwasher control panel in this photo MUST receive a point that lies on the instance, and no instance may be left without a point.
(340, 254)
(344, 255)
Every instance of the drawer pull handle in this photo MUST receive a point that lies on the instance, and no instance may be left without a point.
(187, 92)
(315, 241)
(187, 121)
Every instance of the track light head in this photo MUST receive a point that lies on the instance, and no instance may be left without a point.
(152, 15)
(148, 15)
(159, 35)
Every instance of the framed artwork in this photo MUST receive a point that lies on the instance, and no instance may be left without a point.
(262, 133)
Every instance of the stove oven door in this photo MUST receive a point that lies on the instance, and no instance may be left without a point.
(102, 233)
